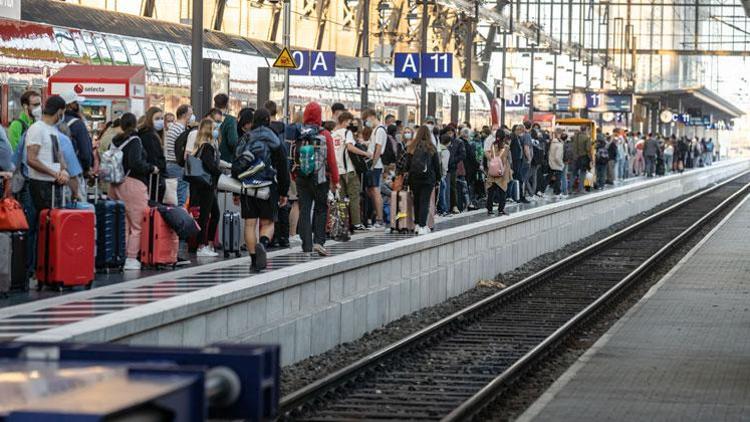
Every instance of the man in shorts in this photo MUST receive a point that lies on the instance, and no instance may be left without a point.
(373, 177)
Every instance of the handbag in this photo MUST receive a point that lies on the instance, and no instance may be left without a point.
(398, 183)
(12, 217)
(170, 192)
(195, 172)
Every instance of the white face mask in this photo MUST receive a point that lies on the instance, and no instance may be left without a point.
(192, 118)
(408, 135)
(158, 124)
(36, 113)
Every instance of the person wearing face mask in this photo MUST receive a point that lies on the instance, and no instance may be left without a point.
(47, 169)
(31, 111)
(79, 136)
(429, 121)
(184, 118)
(343, 141)
(150, 133)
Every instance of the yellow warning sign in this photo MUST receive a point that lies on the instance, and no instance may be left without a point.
(468, 88)
(285, 60)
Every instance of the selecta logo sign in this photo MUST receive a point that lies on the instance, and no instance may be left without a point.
(90, 89)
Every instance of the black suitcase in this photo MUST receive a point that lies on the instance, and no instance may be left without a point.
(13, 274)
(231, 231)
(110, 234)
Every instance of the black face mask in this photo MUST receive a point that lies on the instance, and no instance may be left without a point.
(353, 128)
(75, 108)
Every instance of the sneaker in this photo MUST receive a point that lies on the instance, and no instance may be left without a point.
(181, 262)
(320, 250)
(416, 230)
(295, 239)
(490, 213)
(132, 264)
(260, 257)
(455, 210)
(206, 252)
(424, 230)
(360, 228)
(376, 226)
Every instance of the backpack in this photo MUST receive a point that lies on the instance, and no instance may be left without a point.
(568, 154)
(420, 169)
(254, 156)
(111, 169)
(496, 168)
(310, 153)
(392, 150)
(359, 162)
(602, 155)
(180, 144)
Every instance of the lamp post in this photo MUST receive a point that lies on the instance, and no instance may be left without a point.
(287, 11)
(196, 59)
(422, 51)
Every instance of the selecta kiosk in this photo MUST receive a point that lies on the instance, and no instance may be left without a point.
(109, 91)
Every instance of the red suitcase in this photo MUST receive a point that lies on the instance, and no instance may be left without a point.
(159, 243)
(66, 247)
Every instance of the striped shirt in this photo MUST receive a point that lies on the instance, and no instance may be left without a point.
(175, 130)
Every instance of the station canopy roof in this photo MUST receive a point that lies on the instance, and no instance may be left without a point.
(697, 98)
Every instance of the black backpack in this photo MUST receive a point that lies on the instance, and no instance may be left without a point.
(420, 168)
(392, 149)
(180, 144)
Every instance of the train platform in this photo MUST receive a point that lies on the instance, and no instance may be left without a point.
(311, 304)
(680, 354)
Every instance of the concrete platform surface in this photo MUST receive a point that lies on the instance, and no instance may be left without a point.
(681, 354)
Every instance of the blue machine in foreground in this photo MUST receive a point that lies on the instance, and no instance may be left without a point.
(107, 382)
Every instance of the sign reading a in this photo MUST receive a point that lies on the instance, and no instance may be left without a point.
(285, 60)
(406, 65)
(10, 9)
(428, 65)
(468, 88)
(314, 63)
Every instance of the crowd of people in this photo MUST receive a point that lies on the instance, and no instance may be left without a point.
(49, 155)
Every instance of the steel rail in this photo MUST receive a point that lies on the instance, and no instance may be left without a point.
(309, 393)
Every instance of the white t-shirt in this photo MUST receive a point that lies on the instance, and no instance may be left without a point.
(379, 137)
(190, 144)
(341, 138)
(45, 136)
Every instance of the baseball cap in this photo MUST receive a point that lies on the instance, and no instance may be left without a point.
(71, 97)
(53, 104)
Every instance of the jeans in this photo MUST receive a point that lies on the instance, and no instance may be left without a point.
(601, 175)
(650, 165)
(564, 180)
(312, 223)
(421, 194)
(532, 180)
(668, 159)
(524, 178)
(24, 197)
(622, 168)
(174, 171)
(611, 164)
(444, 196)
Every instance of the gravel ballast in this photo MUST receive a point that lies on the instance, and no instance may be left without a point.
(298, 375)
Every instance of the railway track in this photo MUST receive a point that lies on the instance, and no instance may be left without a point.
(451, 369)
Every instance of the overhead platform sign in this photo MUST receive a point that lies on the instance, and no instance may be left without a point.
(428, 65)
(10, 9)
(314, 63)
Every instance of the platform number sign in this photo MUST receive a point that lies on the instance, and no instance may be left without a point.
(314, 63)
(428, 65)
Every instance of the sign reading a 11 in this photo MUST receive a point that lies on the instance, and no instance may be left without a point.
(428, 65)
